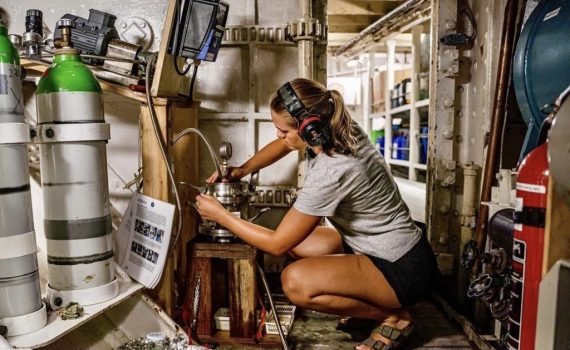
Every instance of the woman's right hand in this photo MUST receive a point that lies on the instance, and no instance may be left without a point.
(234, 174)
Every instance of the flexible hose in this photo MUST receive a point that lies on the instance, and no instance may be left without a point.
(210, 148)
(162, 144)
(277, 321)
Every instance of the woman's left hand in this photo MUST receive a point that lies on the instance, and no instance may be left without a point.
(209, 207)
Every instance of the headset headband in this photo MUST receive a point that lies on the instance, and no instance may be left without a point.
(292, 102)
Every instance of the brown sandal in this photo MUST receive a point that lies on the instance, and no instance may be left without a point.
(396, 335)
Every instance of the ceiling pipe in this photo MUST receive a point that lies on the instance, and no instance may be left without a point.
(379, 24)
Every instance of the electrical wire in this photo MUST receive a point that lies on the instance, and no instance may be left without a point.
(162, 143)
(468, 12)
(191, 94)
(177, 69)
(178, 15)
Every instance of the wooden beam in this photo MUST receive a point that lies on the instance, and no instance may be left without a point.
(156, 185)
(557, 234)
(185, 157)
(351, 7)
(166, 82)
(352, 20)
(243, 297)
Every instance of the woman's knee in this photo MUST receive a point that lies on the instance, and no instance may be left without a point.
(293, 281)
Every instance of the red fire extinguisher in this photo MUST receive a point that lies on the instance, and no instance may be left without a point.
(528, 246)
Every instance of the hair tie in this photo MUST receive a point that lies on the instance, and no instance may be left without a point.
(329, 96)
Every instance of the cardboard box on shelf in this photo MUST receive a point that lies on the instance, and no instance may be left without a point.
(379, 86)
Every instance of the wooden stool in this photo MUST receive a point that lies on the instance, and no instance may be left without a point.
(206, 261)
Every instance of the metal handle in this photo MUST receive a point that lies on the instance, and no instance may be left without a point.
(254, 179)
(256, 216)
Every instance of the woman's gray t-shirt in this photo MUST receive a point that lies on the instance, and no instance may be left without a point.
(360, 198)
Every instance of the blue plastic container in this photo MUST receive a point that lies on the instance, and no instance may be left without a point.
(395, 146)
(380, 144)
(404, 147)
(423, 144)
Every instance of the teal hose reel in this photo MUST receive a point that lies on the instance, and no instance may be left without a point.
(541, 67)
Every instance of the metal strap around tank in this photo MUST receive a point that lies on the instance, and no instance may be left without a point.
(18, 245)
(72, 132)
(88, 259)
(16, 281)
(19, 266)
(17, 133)
(11, 190)
(532, 216)
(78, 229)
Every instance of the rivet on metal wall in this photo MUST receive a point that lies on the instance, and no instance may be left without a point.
(447, 134)
(450, 24)
(448, 181)
(448, 102)
(453, 54)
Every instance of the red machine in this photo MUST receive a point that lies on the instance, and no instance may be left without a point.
(528, 246)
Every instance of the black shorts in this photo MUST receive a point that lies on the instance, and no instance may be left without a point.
(414, 276)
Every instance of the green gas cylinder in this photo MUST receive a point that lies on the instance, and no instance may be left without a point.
(72, 134)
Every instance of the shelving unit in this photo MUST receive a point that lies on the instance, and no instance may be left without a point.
(409, 113)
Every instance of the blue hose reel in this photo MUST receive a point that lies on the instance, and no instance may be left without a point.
(541, 67)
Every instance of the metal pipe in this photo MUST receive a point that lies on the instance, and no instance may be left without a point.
(496, 128)
(272, 305)
(306, 47)
(376, 26)
(208, 144)
(162, 144)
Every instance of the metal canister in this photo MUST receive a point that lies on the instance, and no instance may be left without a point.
(21, 307)
(72, 134)
(236, 198)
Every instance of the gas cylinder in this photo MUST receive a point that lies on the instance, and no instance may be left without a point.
(21, 307)
(528, 246)
(72, 134)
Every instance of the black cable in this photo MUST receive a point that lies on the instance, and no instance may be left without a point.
(178, 71)
(178, 15)
(191, 94)
(468, 12)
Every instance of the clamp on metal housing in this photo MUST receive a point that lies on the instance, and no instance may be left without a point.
(306, 29)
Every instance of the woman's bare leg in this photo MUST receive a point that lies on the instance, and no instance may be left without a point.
(323, 241)
(344, 285)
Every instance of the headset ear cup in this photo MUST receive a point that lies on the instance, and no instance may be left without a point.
(312, 131)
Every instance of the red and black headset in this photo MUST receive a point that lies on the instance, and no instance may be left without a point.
(310, 126)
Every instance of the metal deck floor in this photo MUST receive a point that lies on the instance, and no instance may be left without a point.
(434, 330)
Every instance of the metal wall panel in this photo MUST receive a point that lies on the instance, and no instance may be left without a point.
(234, 91)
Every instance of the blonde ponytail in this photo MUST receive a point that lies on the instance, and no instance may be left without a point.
(329, 105)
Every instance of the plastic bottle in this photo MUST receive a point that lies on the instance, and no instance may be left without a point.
(380, 143)
(404, 147)
(424, 144)
(395, 146)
